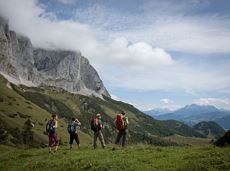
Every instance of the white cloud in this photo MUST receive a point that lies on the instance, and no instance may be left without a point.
(150, 106)
(144, 106)
(167, 101)
(187, 34)
(218, 102)
(46, 31)
(67, 1)
(115, 97)
(165, 25)
(139, 54)
(176, 77)
(125, 55)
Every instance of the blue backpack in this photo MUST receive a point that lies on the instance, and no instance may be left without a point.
(71, 128)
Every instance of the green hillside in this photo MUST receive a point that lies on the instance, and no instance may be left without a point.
(211, 129)
(15, 110)
(135, 158)
(18, 103)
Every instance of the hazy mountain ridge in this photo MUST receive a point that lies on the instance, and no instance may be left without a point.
(157, 111)
(193, 114)
(24, 64)
(224, 122)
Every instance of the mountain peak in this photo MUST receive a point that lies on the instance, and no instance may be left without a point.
(199, 106)
(32, 66)
(195, 108)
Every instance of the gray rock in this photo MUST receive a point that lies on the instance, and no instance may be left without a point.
(68, 70)
(35, 66)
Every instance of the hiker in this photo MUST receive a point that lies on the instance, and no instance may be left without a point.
(72, 130)
(96, 126)
(121, 123)
(51, 128)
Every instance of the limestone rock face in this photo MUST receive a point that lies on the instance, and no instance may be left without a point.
(16, 54)
(35, 66)
(68, 70)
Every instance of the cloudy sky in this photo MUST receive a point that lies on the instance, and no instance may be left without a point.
(148, 53)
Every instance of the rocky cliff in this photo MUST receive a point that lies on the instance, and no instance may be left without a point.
(24, 64)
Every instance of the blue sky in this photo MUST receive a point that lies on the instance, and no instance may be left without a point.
(148, 53)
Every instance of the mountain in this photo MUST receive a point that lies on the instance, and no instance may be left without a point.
(210, 129)
(193, 109)
(22, 63)
(157, 111)
(38, 82)
(224, 122)
(188, 111)
(19, 103)
(192, 114)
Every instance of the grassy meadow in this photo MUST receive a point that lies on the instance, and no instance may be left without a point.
(17, 104)
(139, 157)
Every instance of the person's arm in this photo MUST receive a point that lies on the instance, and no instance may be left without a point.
(115, 121)
(127, 121)
(55, 124)
(78, 122)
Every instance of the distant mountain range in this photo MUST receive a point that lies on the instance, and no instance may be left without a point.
(158, 111)
(192, 114)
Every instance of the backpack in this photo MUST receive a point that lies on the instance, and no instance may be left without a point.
(95, 124)
(120, 122)
(50, 126)
(71, 128)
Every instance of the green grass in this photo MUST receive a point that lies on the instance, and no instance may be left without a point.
(140, 157)
(191, 141)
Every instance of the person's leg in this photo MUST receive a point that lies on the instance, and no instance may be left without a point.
(124, 133)
(71, 140)
(101, 138)
(95, 139)
(50, 142)
(117, 140)
(119, 135)
(77, 140)
(56, 141)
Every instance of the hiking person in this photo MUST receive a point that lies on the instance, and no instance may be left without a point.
(72, 130)
(51, 128)
(96, 126)
(121, 123)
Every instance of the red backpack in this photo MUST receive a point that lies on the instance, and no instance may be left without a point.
(95, 124)
(120, 122)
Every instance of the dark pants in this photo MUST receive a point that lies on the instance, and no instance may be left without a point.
(53, 139)
(72, 137)
(121, 134)
(101, 138)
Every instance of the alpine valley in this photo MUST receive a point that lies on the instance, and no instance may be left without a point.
(36, 82)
